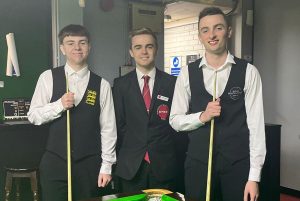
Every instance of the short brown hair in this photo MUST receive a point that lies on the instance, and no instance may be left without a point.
(142, 31)
(73, 30)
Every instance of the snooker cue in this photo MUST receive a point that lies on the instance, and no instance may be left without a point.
(211, 139)
(69, 147)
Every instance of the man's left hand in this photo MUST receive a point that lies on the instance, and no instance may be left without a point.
(103, 179)
(251, 190)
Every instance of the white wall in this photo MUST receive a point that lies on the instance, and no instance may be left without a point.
(181, 39)
(277, 56)
(109, 37)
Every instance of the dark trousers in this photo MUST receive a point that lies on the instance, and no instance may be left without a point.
(54, 183)
(144, 179)
(227, 183)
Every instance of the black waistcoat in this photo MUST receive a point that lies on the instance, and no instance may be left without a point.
(231, 133)
(84, 120)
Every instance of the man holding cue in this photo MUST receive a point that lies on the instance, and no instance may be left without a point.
(239, 135)
(92, 122)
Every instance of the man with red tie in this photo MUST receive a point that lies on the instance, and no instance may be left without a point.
(145, 146)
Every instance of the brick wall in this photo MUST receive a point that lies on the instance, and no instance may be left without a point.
(181, 40)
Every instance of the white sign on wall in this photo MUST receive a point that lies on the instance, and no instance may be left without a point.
(175, 63)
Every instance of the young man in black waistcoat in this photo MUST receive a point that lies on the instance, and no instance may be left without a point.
(239, 136)
(146, 150)
(92, 122)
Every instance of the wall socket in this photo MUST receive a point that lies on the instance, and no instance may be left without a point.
(1, 84)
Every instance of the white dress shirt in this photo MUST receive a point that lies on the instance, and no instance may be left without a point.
(181, 121)
(140, 78)
(42, 111)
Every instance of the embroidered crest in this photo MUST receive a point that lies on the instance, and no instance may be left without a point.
(235, 93)
(163, 111)
(91, 97)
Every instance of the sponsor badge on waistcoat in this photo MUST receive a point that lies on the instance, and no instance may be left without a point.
(235, 93)
(163, 111)
(91, 97)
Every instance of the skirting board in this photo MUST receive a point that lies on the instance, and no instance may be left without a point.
(289, 191)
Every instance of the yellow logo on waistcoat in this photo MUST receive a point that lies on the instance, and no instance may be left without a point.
(91, 97)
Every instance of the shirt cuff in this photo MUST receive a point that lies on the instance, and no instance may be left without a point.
(105, 168)
(59, 108)
(195, 119)
(199, 114)
(254, 174)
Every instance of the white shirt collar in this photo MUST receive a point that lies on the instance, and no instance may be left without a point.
(229, 60)
(81, 73)
(151, 74)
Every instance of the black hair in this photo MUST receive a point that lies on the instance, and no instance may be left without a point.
(212, 11)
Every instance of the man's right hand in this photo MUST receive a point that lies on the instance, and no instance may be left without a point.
(67, 100)
(213, 109)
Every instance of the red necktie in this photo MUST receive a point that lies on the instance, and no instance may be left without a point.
(146, 92)
(147, 100)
